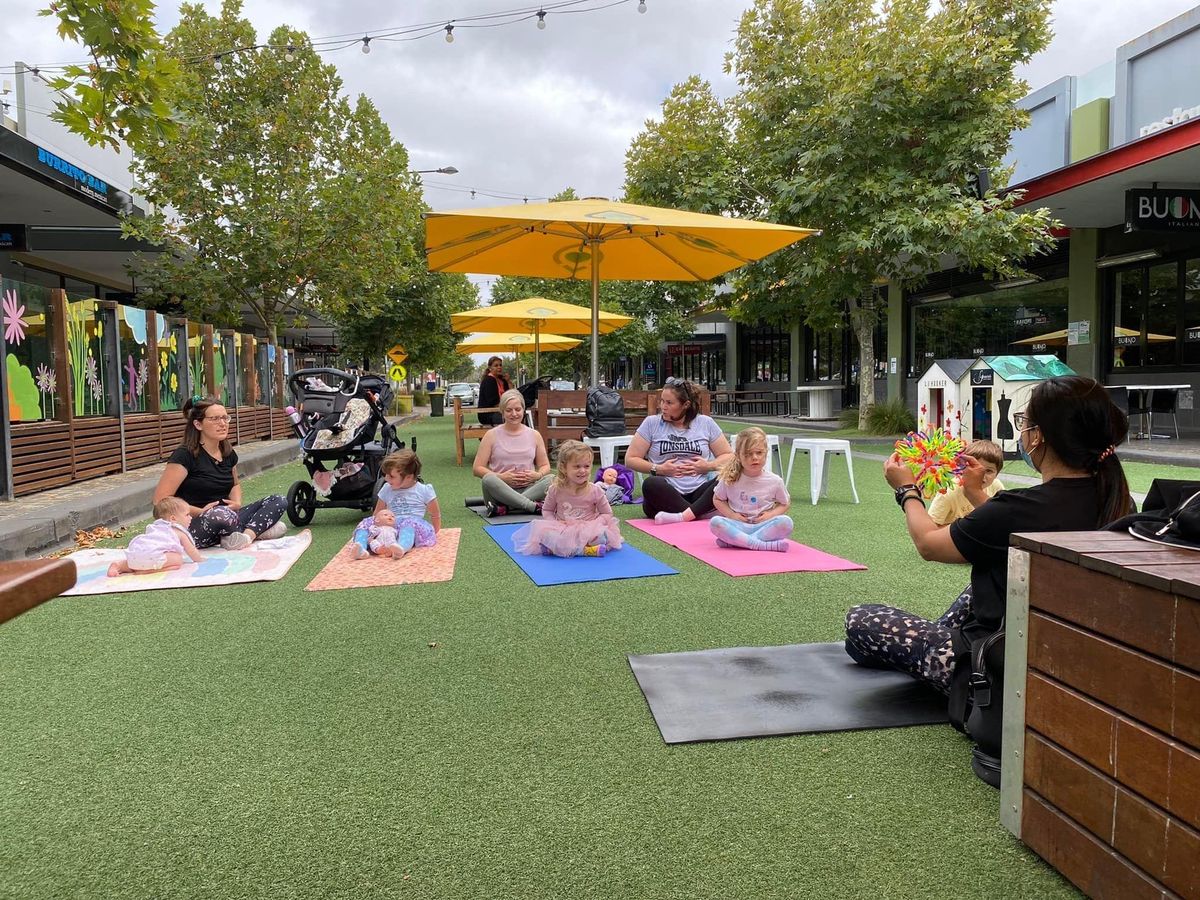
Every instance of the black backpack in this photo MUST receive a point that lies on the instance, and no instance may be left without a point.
(605, 413)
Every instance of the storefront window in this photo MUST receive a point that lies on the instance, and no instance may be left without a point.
(241, 345)
(266, 373)
(1191, 312)
(1026, 320)
(90, 365)
(225, 365)
(29, 364)
(765, 355)
(197, 374)
(702, 363)
(133, 326)
(171, 391)
(1162, 315)
(825, 355)
(1146, 310)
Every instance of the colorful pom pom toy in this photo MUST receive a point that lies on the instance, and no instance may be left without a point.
(933, 457)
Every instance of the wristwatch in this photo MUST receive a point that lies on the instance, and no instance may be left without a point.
(653, 469)
(905, 491)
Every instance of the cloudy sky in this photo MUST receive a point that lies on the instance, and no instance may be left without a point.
(527, 112)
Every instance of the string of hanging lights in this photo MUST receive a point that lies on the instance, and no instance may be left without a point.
(396, 34)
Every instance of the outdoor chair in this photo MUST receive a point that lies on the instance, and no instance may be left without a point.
(1164, 402)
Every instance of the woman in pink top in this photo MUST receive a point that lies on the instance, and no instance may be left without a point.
(576, 518)
(512, 462)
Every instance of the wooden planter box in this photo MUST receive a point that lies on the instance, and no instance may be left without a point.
(1101, 771)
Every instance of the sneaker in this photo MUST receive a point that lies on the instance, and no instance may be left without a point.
(495, 509)
(236, 541)
(278, 530)
(546, 551)
(594, 550)
(537, 507)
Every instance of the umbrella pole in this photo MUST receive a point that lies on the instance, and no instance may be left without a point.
(537, 349)
(594, 246)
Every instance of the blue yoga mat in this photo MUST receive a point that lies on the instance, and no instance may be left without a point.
(628, 562)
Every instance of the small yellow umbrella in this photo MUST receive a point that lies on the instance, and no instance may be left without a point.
(598, 239)
(514, 343)
(533, 314)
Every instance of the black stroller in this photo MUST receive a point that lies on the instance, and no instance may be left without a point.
(337, 417)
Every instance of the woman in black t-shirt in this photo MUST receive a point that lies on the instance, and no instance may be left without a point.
(203, 472)
(1068, 433)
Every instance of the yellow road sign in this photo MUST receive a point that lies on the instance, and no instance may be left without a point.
(397, 372)
(398, 354)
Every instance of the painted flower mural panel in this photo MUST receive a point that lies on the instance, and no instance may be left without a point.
(14, 324)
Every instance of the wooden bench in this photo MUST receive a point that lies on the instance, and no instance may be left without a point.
(464, 430)
(560, 415)
(1101, 772)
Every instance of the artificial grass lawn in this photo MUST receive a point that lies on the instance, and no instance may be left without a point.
(476, 738)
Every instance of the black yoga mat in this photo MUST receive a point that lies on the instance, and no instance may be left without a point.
(738, 692)
(476, 505)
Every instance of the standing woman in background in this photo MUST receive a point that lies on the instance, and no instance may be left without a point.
(491, 389)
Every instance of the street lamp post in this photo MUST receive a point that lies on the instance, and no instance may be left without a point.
(444, 170)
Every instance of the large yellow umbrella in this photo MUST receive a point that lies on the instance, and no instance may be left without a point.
(515, 343)
(598, 239)
(534, 313)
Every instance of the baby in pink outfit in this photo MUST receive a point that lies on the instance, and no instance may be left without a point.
(163, 545)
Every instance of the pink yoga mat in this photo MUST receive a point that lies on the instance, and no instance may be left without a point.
(694, 539)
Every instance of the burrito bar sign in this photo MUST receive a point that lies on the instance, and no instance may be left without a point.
(1162, 210)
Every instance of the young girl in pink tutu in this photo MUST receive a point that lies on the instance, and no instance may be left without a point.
(576, 517)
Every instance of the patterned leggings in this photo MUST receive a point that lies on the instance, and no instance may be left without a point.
(750, 535)
(208, 528)
(888, 638)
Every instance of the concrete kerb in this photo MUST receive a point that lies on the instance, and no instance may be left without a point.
(42, 523)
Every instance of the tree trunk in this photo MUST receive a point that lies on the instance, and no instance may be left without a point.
(862, 318)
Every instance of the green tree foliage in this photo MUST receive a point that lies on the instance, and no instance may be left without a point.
(867, 121)
(279, 196)
(123, 93)
(415, 313)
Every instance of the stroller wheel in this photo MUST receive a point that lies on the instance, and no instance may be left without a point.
(301, 503)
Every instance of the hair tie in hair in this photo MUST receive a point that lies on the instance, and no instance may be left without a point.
(196, 398)
(1105, 454)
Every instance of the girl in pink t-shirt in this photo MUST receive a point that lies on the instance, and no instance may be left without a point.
(751, 499)
(577, 519)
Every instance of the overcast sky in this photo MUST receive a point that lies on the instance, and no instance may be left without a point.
(522, 112)
(529, 112)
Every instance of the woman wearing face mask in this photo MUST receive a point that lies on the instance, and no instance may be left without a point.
(1068, 433)
(678, 449)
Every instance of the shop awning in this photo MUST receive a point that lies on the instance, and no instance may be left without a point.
(1091, 192)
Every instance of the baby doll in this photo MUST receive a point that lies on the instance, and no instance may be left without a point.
(377, 534)
(613, 492)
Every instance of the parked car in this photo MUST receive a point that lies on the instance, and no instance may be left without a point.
(464, 391)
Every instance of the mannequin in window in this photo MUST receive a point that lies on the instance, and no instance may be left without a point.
(1004, 431)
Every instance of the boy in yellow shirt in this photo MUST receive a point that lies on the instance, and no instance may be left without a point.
(954, 504)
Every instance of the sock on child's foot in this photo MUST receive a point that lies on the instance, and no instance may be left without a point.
(778, 546)
(666, 518)
(721, 543)
(594, 550)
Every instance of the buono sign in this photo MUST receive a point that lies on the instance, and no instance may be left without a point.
(1165, 209)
